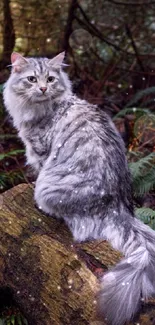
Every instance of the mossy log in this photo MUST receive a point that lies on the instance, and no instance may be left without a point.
(54, 281)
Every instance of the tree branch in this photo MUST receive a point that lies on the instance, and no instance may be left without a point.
(132, 3)
(8, 33)
(92, 29)
(68, 29)
(129, 34)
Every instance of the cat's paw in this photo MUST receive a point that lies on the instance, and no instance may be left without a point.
(39, 208)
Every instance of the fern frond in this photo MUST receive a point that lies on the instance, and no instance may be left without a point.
(140, 95)
(11, 153)
(144, 184)
(146, 215)
(132, 110)
(136, 167)
(1, 88)
(148, 102)
(143, 174)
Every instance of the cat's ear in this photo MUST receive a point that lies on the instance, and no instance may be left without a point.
(18, 61)
(57, 61)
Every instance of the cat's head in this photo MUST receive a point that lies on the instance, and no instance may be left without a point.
(38, 79)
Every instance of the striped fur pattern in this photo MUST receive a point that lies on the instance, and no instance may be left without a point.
(82, 177)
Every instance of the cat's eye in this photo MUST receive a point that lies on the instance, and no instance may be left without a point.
(32, 79)
(50, 79)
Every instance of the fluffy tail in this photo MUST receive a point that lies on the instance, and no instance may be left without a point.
(133, 279)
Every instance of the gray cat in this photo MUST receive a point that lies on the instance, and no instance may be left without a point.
(82, 176)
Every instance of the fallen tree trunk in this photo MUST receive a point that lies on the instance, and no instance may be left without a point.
(54, 281)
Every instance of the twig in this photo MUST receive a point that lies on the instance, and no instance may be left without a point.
(147, 73)
(98, 34)
(21, 170)
(98, 57)
(68, 28)
(132, 3)
(146, 142)
(129, 34)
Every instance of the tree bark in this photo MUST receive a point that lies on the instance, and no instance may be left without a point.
(53, 280)
(8, 34)
(68, 29)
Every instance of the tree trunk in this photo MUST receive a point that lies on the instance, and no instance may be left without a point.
(53, 280)
(68, 29)
(8, 34)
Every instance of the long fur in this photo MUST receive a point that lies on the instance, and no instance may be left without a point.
(83, 177)
(132, 281)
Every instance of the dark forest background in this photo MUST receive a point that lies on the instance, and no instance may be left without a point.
(110, 50)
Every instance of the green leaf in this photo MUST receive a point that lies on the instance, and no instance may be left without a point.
(19, 321)
(12, 319)
(1, 88)
(8, 136)
(2, 321)
(8, 322)
(24, 320)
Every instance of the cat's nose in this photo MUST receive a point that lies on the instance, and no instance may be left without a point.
(43, 89)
